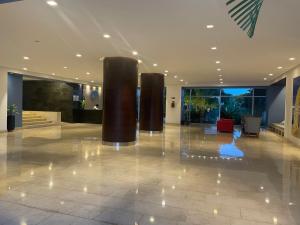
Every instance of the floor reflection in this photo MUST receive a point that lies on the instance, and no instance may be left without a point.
(231, 150)
(182, 176)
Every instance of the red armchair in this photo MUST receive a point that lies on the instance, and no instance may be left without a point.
(225, 125)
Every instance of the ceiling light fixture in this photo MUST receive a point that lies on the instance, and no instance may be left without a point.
(279, 67)
(265, 78)
(76, 78)
(140, 61)
(220, 79)
(26, 58)
(166, 75)
(92, 81)
(181, 80)
(219, 69)
(175, 76)
(166, 71)
(52, 3)
(220, 75)
(221, 82)
(106, 36)
(135, 53)
(213, 48)
(155, 65)
(210, 26)
(65, 67)
(270, 74)
(218, 62)
(88, 73)
(292, 59)
(25, 69)
(53, 74)
(78, 55)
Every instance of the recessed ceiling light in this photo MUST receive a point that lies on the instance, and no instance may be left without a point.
(175, 76)
(220, 79)
(78, 55)
(135, 53)
(220, 75)
(292, 59)
(76, 78)
(265, 78)
(166, 75)
(26, 58)
(270, 74)
(25, 69)
(181, 80)
(53, 74)
(279, 67)
(140, 61)
(221, 82)
(219, 69)
(210, 26)
(65, 67)
(88, 73)
(213, 48)
(155, 65)
(92, 81)
(218, 62)
(52, 3)
(106, 36)
(166, 71)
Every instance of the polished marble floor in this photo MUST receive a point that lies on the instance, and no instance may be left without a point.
(185, 176)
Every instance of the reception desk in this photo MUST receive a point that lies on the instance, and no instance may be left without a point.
(87, 116)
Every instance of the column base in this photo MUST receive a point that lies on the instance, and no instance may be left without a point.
(151, 132)
(116, 144)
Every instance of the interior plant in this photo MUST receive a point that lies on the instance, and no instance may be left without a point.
(12, 111)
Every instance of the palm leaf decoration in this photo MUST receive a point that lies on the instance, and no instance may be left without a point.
(245, 14)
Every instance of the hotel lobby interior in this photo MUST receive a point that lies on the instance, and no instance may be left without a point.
(138, 112)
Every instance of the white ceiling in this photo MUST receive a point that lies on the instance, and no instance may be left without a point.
(171, 33)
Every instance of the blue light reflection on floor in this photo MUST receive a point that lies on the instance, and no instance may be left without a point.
(231, 150)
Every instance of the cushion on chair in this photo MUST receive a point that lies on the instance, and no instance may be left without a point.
(225, 125)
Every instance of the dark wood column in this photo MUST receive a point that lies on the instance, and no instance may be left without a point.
(120, 80)
(151, 103)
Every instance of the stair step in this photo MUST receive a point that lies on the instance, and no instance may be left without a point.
(36, 123)
(34, 119)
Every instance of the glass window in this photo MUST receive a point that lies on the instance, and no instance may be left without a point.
(204, 109)
(235, 108)
(260, 92)
(205, 92)
(237, 92)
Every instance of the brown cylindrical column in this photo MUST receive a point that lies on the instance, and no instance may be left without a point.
(151, 102)
(120, 80)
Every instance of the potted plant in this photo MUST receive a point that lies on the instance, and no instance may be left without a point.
(12, 110)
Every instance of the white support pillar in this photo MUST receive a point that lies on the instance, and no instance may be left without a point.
(3, 99)
(173, 114)
(288, 107)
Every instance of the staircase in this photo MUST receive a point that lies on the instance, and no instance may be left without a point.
(32, 119)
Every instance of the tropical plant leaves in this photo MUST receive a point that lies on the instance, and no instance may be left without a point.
(245, 13)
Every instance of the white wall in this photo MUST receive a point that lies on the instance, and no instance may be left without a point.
(93, 96)
(3, 99)
(173, 115)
